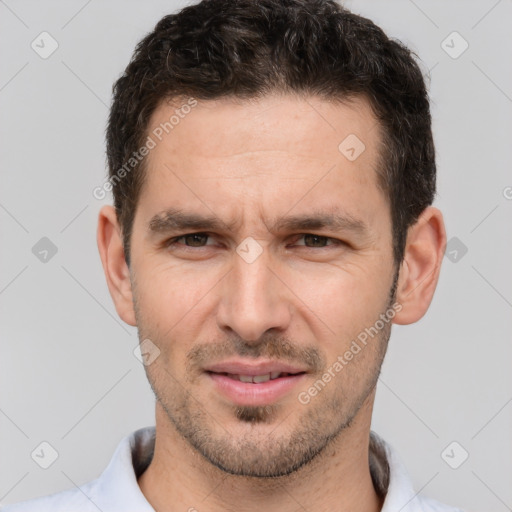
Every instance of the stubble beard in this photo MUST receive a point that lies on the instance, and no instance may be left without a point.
(267, 446)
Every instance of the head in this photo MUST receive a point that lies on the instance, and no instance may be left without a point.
(272, 167)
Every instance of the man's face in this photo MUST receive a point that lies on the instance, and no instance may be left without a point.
(259, 287)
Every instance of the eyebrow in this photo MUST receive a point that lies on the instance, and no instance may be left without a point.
(321, 220)
(177, 220)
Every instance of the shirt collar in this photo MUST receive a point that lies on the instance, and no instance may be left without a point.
(117, 488)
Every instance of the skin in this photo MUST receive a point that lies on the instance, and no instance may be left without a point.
(303, 300)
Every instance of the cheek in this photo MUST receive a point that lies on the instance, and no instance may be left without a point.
(166, 298)
(174, 287)
(343, 302)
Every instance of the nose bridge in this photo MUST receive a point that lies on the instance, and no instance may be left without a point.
(253, 300)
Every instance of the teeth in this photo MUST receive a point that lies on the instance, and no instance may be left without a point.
(261, 378)
(258, 378)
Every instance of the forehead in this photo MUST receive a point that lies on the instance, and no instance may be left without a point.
(268, 153)
(224, 127)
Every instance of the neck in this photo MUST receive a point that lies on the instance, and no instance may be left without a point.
(179, 478)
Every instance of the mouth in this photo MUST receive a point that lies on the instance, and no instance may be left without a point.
(252, 384)
(257, 379)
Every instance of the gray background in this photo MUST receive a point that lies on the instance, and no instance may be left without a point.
(68, 375)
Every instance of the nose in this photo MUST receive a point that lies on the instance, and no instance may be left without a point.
(254, 299)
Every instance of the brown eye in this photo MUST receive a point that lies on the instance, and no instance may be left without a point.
(189, 240)
(315, 240)
(195, 239)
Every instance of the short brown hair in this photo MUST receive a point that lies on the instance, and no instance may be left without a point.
(250, 48)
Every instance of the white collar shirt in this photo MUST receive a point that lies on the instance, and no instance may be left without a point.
(117, 490)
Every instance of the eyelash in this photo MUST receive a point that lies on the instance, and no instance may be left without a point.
(336, 242)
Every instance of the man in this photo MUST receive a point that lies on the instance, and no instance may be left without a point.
(273, 171)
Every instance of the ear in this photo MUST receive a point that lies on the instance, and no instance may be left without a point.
(420, 268)
(116, 270)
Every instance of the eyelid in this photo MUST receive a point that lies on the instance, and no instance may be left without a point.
(173, 240)
(298, 236)
(335, 241)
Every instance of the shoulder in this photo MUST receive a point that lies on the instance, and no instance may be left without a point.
(116, 489)
(391, 474)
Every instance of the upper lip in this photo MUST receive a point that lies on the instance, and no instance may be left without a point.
(252, 369)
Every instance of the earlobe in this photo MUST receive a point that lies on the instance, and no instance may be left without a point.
(116, 270)
(421, 266)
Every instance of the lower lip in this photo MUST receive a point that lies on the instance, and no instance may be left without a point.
(261, 393)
